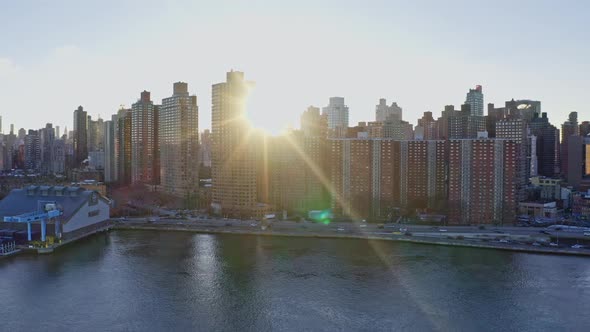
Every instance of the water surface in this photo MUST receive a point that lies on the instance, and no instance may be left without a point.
(168, 281)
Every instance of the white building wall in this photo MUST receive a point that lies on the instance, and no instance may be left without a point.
(82, 219)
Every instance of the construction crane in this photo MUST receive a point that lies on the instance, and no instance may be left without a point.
(45, 212)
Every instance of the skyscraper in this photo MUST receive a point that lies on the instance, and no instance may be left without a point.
(123, 146)
(474, 99)
(569, 128)
(233, 162)
(95, 134)
(58, 156)
(205, 148)
(145, 154)
(462, 124)
(547, 145)
(310, 121)
(517, 130)
(110, 159)
(524, 109)
(575, 151)
(80, 136)
(385, 113)
(179, 143)
(47, 137)
(337, 113)
(33, 151)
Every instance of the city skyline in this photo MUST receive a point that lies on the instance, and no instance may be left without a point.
(95, 59)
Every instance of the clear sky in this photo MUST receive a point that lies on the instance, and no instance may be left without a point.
(56, 55)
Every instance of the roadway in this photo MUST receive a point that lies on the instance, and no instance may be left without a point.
(366, 229)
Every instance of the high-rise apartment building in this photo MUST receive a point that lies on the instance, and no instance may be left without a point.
(95, 134)
(80, 136)
(384, 113)
(568, 128)
(285, 170)
(481, 177)
(311, 121)
(22, 133)
(123, 146)
(429, 126)
(145, 153)
(337, 113)
(370, 178)
(32, 151)
(575, 151)
(474, 99)
(58, 156)
(548, 148)
(47, 137)
(462, 124)
(585, 128)
(517, 130)
(110, 155)
(233, 155)
(205, 148)
(179, 144)
(523, 109)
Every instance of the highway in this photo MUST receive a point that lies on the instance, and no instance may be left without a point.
(469, 233)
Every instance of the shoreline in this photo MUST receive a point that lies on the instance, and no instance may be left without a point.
(392, 238)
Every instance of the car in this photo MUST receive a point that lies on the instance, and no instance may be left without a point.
(363, 226)
(536, 244)
(442, 230)
(253, 224)
(577, 246)
(586, 233)
(504, 241)
(340, 229)
(553, 244)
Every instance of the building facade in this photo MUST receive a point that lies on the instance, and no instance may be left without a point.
(474, 99)
(145, 152)
(233, 153)
(482, 186)
(371, 178)
(384, 113)
(80, 136)
(123, 146)
(337, 113)
(179, 143)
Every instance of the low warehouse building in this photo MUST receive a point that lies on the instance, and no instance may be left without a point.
(83, 211)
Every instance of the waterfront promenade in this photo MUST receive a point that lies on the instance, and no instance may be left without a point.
(523, 239)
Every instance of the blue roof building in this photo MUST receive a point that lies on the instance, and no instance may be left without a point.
(81, 209)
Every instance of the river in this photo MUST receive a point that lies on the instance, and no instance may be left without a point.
(174, 281)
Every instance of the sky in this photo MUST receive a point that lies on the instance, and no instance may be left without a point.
(56, 55)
